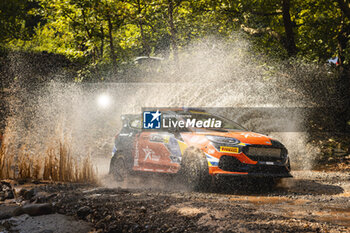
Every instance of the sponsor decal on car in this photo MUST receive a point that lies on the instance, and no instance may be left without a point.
(156, 138)
(149, 154)
(176, 149)
(166, 139)
(228, 149)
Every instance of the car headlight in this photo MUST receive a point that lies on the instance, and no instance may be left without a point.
(224, 140)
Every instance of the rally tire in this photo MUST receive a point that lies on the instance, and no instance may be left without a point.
(195, 170)
(118, 168)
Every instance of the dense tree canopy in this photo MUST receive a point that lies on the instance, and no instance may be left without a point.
(113, 31)
(103, 37)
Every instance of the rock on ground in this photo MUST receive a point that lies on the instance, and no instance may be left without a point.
(44, 223)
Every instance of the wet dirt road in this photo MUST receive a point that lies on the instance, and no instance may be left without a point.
(310, 202)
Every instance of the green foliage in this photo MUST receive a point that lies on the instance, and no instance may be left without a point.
(17, 19)
(110, 31)
(318, 23)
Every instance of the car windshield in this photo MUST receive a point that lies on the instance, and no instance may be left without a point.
(226, 124)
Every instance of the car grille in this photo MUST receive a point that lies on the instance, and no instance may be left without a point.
(274, 153)
(232, 164)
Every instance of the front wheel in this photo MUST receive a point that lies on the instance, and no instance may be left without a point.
(194, 169)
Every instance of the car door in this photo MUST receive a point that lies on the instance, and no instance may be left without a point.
(154, 152)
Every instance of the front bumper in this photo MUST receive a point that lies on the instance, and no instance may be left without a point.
(231, 166)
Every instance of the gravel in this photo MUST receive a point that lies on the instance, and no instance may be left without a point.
(310, 202)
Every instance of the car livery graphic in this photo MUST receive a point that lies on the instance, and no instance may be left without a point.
(199, 154)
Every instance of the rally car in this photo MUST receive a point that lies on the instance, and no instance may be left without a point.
(198, 154)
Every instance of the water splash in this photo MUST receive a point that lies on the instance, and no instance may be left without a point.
(211, 73)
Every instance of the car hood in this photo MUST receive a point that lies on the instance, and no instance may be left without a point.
(246, 137)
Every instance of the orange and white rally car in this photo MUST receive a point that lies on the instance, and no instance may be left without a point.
(196, 145)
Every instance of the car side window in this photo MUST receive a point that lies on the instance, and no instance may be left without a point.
(136, 124)
(173, 129)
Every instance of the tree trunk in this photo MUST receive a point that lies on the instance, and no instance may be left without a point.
(145, 45)
(172, 29)
(343, 86)
(102, 41)
(288, 27)
(85, 24)
(111, 45)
